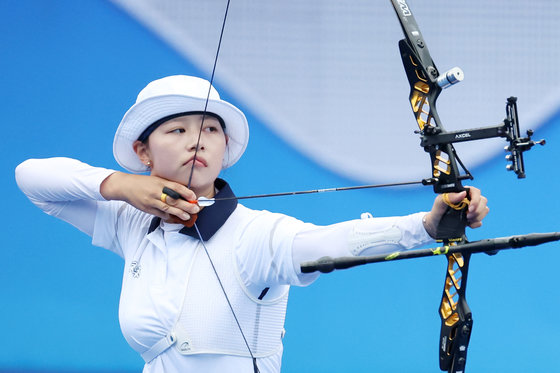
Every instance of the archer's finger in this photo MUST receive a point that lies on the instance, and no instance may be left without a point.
(182, 192)
(154, 211)
(189, 207)
(477, 224)
(173, 198)
(480, 213)
(478, 208)
(165, 208)
(475, 198)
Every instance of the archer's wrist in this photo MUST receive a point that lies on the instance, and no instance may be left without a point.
(429, 226)
(111, 186)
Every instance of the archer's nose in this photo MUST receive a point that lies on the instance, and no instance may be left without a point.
(195, 144)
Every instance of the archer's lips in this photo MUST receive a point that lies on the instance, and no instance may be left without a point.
(200, 162)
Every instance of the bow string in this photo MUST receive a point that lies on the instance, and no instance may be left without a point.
(192, 220)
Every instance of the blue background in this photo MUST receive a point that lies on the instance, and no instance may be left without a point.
(69, 72)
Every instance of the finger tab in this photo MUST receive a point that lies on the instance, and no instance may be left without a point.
(189, 223)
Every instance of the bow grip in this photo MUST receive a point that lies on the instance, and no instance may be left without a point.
(452, 225)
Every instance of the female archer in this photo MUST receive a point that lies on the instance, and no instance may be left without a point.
(209, 296)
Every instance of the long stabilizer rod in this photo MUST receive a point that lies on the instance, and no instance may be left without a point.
(490, 246)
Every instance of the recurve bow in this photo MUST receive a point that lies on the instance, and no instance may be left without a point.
(426, 83)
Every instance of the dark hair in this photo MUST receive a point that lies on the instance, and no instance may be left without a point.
(152, 127)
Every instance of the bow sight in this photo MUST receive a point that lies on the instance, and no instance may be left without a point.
(434, 137)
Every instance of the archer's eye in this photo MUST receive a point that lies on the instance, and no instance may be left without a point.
(177, 130)
(211, 128)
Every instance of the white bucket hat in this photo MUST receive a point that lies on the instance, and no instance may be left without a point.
(173, 95)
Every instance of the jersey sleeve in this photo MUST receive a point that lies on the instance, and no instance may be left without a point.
(69, 190)
(360, 237)
(264, 250)
(275, 245)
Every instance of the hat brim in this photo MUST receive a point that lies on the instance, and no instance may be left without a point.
(146, 112)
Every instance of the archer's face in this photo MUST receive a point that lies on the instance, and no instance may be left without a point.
(172, 146)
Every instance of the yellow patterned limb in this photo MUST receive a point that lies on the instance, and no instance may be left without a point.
(453, 283)
(459, 206)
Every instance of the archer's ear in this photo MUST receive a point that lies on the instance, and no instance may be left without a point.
(142, 152)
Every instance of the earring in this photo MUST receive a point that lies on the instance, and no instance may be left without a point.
(149, 164)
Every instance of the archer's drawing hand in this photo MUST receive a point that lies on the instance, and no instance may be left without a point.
(477, 210)
(145, 193)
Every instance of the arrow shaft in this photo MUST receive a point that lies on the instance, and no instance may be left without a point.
(339, 189)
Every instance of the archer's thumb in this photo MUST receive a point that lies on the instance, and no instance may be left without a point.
(457, 197)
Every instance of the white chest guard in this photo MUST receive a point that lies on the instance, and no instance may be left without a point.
(205, 323)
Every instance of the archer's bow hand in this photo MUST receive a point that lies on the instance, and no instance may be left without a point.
(477, 209)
